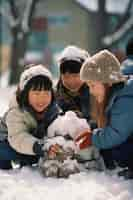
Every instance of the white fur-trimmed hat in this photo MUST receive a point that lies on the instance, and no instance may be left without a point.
(103, 66)
(74, 53)
(33, 71)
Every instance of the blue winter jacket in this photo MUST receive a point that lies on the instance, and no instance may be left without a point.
(120, 119)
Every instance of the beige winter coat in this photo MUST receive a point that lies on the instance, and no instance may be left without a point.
(19, 124)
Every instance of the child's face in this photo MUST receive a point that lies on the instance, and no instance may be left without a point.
(72, 81)
(39, 100)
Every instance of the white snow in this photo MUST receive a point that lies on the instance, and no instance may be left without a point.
(61, 141)
(89, 5)
(5, 95)
(29, 184)
(10, 18)
(112, 6)
(26, 16)
(76, 125)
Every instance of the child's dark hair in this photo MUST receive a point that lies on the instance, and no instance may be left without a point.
(36, 83)
(70, 66)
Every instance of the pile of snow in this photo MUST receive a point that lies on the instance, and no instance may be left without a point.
(111, 6)
(66, 125)
(28, 184)
(69, 124)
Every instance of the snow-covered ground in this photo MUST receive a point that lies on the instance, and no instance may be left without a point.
(28, 184)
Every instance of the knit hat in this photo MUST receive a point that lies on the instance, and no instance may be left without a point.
(103, 66)
(31, 72)
(72, 53)
(127, 67)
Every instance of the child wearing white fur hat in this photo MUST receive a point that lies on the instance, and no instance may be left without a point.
(72, 93)
(25, 124)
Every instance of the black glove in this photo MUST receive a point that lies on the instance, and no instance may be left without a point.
(38, 149)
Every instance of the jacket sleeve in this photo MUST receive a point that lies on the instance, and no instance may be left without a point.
(18, 136)
(120, 125)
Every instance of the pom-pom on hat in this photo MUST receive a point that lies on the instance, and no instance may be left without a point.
(32, 71)
(103, 66)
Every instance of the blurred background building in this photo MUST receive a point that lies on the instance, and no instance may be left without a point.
(35, 31)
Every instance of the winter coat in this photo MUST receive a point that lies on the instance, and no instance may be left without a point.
(79, 102)
(24, 129)
(120, 119)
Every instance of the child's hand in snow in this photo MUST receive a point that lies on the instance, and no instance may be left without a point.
(54, 150)
(83, 140)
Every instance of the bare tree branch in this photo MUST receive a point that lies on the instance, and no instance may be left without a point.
(124, 25)
(108, 40)
(9, 18)
(13, 8)
(27, 15)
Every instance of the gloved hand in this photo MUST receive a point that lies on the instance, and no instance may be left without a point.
(54, 150)
(38, 149)
(83, 140)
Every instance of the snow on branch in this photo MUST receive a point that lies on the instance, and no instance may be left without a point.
(27, 14)
(10, 18)
(109, 39)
